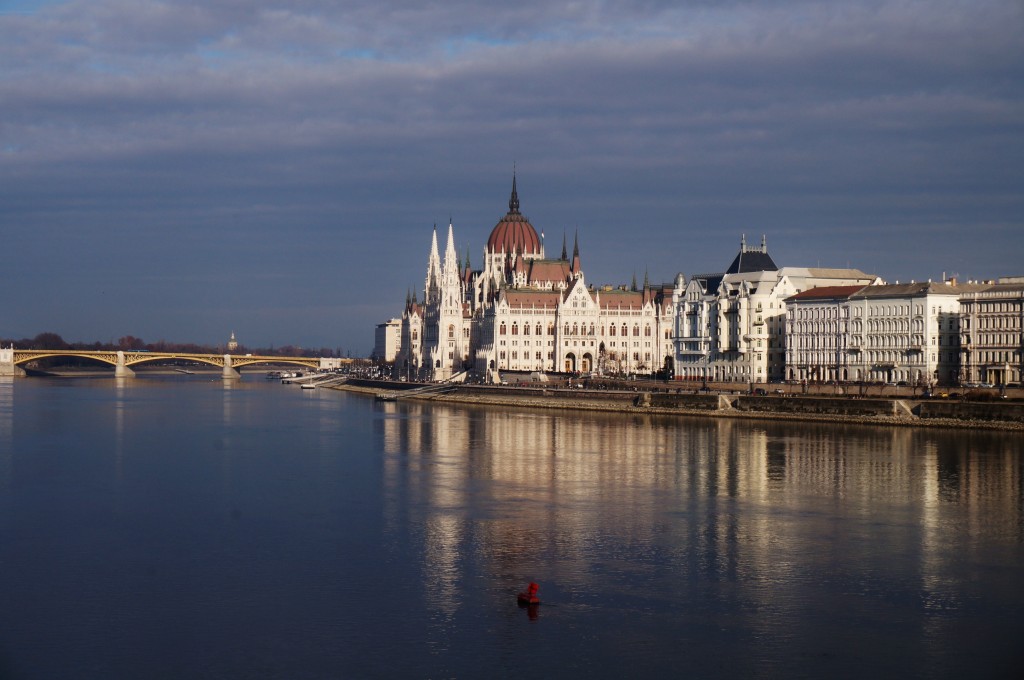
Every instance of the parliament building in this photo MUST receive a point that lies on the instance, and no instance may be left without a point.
(524, 311)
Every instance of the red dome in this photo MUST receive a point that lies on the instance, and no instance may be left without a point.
(514, 234)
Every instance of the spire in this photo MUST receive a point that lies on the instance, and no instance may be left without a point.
(450, 269)
(647, 281)
(432, 287)
(450, 246)
(764, 244)
(513, 201)
(575, 268)
(565, 255)
(632, 286)
(468, 265)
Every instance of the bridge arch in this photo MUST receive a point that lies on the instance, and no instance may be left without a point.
(121, 360)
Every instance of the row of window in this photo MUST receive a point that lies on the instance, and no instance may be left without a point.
(997, 322)
(993, 307)
(612, 356)
(574, 329)
(998, 356)
(996, 339)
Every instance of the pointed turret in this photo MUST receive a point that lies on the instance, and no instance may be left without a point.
(752, 259)
(450, 258)
(451, 275)
(520, 269)
(565, 255)
(513, 201)
(467, 272)
(576, 254)
(433, 285)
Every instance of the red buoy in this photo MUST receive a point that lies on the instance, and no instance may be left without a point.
(529, 596)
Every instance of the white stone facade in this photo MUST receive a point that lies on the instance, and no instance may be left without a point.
(818, 334)
(900, 333)
(992, 334)
(907, 333)
(732, 326)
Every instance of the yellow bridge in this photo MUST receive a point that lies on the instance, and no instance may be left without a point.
(12, 359)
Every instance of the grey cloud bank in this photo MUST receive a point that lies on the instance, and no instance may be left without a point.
(182, 170)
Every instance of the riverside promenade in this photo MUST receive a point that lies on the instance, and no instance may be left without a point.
(958, 413)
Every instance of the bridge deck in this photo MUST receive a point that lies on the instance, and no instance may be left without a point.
(131, 358)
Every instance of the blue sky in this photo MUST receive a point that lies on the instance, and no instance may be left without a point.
(181, 170)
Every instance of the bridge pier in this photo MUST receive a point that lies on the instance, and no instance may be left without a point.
(121, 369)
(230, 373)
(7, 366)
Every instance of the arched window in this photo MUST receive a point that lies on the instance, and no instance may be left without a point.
(625, 330)
(502, 330)
(451, 331)
(611, 330)
(636, 331)
(526, 329)
(538, 329)
(515, 329)
(566, 329)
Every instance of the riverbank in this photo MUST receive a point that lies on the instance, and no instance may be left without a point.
(892, 412)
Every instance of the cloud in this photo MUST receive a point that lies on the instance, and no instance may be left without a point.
(324, 125)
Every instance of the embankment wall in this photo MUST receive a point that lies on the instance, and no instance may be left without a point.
(999, 415)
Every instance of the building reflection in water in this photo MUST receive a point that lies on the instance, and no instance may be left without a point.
(121, 396)
(6, 430)
(637, 503)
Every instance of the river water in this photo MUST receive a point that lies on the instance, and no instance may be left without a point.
(186, 527)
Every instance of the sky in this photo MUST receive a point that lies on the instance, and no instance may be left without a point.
(182, 170)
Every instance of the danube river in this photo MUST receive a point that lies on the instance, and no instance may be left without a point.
(186, 527)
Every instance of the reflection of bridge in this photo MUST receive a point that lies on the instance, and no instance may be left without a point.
(12, 359)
